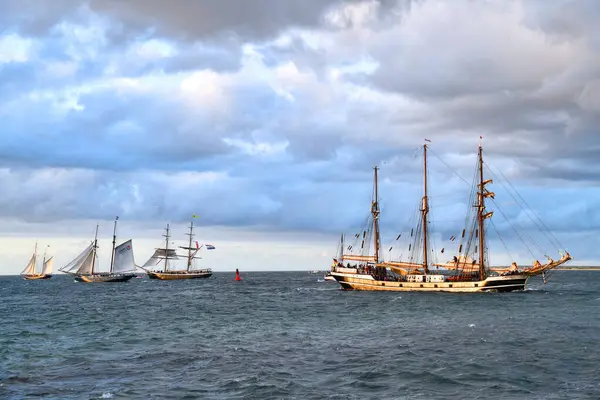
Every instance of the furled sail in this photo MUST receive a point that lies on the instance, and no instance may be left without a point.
(462, 262)
(353, 257)
(124, 261)
(82, 264)
(30, 268)
(47, 270)
(402, 268)
(538, 267)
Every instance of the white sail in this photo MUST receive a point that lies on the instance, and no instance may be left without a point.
(82, 264)
(30, 268)
(86, 265)
(47, 270)
(158, 258)
(124, 261)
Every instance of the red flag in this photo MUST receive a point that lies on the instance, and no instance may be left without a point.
(197, 245)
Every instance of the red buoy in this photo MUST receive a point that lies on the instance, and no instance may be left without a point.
(237, 275)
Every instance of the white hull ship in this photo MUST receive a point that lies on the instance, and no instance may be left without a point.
(122, 265)
(164, 256)
(464, 274)
(46, 271)
(351, 279)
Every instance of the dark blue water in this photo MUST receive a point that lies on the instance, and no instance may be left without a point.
(287, 336)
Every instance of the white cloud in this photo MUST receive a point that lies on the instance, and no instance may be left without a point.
(153, 49)
(206, 90)
(15, 49)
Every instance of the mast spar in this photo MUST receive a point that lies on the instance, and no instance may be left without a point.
(482, 215)
(112, 254)
(94, 249)
(166, 235)
(44, 258)
(424, 211)
(35, 257)
(191, 234)
(342, 249)
(375, 212)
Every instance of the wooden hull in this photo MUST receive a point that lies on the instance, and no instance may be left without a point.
(103, 278)
(36, 277)
(171, 276)
(494, 283)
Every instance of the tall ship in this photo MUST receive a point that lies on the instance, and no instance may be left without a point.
(29, 273)
(84, 267)
(162, 264)
(359, 268)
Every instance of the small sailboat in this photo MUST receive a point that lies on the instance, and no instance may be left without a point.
(122, 264)
(164, 256)
(46, 273)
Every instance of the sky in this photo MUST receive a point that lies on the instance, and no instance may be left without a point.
(265, 118)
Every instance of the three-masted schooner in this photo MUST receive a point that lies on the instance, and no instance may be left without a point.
(163, 257)
(46, 272)
(122, 264)
(467, 272)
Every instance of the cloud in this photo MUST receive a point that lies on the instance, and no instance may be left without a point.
(252, 19)
(269, 115)
(493, 68)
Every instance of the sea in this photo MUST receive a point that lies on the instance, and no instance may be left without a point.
(291, 335)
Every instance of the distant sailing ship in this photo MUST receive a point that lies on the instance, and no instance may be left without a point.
(46, 272)
(122, 264)
(163, 257)
(467, 272)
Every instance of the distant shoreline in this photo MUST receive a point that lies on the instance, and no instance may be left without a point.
(578, 269)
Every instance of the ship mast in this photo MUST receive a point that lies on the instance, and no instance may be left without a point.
(112, 254)
(341, 259)
(44, 258)
(191, 234)
(375, 212)
(94, 249)
(481, 216)
(424, 211)
(166, 235)
(35, 257)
